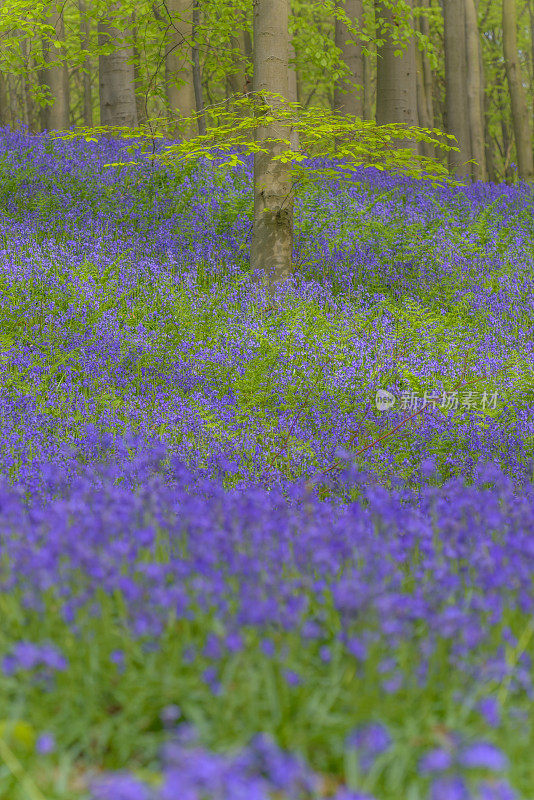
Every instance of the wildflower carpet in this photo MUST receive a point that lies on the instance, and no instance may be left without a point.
(226, 573)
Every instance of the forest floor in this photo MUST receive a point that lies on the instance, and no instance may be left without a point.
(256, 553)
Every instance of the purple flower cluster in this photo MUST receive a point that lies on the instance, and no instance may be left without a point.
(258, 772)
(26, 656)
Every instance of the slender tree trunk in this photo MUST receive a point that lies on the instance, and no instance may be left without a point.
(425, 105)
(272, 234)
(238, 78)
(476, 120)
(117, 86)
(178, 59)
(27, 103)
(197, 74)
(485, 111)
(239, 81)
(396, 81)
(456, 108)
(531, 17)
(349, 94)
(292, 91)
(520, 115)
(140, 98)
(367, 88)
(4, 102)
(428, 78)
(490, 156)
(14, 106)
(56, 77)
(422, 105)
(85, 30)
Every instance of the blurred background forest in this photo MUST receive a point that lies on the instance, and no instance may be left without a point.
(463, 66)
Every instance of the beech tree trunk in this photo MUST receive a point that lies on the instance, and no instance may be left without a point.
(56, 77)
(425, 102)
(456, 108)
(4, 102)
(272, 233)
(197, 74)
(531, 18)
(179, 58)
(14, 106)
(292, 91)
(396, 82)
(476, 118)
(520, 114)
(85, 29)
(117, 85)
(348, 93)
(27, 101)
(368, 88)
(489, 144)
(237, 80)
(140, 98)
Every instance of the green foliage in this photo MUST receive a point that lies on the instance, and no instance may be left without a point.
(352, 141)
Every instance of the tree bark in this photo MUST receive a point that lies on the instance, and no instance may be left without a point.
(272, 233)
(456, 109)
(531, 18)
(4, 102)
(140, 98)
(425, 104)
(27, 102)
(197, 74)
(292, 91)
(367, 88)
(489, 144)
(178, 58)
(476, 120)
(117, 86)
(238, 78)
(396, 83)
(520, 115)
(56, 77)
(348, 93)
(85, 30)
(14, 105)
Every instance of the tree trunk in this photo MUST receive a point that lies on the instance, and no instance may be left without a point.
(85, 29)
(422, 105)
(425, 104)
(272, 233)
(4, 102)
(531, 18)
(490, 159)
(140, 98)
(368, 88)
(56, 77)
(348, 93)
(292, 91)
(178, 58)
(197, 74)
(27, 102)
(237, 80)
(396, 83)
(456, 108)
(117, 86)
(476, 120)
(14, 106)
(520, 115)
